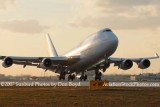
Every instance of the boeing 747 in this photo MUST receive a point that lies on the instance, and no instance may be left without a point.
(94, 53)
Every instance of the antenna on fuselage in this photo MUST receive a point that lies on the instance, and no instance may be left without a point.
(51, 48)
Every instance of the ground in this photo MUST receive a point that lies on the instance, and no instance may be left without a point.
(78, 97)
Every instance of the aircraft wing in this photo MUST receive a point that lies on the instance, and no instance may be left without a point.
(113, 60)
(35, 61)
(123, 63)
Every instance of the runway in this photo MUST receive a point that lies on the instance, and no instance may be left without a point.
(79, 83)
(79, 97)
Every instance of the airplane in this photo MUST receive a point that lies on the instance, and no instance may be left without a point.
(94, 53)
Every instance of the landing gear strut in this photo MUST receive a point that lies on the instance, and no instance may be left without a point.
(83, 77)
(62, 76)
(71, 77)
(98, 75)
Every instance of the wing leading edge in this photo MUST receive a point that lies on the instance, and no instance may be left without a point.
(112, 59)
(123, 63)
(35, 61)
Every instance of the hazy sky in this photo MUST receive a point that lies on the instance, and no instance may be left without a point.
(24, 24)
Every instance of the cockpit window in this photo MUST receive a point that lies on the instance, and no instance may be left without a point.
(108, 30)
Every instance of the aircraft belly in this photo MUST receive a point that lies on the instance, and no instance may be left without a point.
(83, 64)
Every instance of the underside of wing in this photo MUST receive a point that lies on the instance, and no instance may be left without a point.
(40, 62)
(123, 63)
(127, 63)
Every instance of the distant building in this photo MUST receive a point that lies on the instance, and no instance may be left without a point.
(33, 78)
(133, 78)
(148, 77)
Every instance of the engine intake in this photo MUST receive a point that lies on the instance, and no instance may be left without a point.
(144, 63)
(7, 62)
(126, 64)
(46, 63)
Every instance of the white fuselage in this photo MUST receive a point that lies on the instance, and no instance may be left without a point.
(93, 49)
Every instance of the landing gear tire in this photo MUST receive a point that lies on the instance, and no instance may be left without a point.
(71, 77)
(83, 77)
(62, 76)
(98, 76)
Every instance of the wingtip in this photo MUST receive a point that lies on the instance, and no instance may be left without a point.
(156, 54)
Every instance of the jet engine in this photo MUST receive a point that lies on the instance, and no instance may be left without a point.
(144, 63)
(126, 64)
(7, 62)
(46, 63)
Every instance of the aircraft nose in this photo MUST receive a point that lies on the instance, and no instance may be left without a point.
(112, 37)
(108, 36)
(115, 40)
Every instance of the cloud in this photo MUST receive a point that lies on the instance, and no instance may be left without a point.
(23, 26)
(119, 14)
(5, 3)
(126, 2)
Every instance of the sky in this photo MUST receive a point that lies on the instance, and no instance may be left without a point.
(24, 24)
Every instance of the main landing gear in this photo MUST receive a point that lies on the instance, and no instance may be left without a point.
(62, 76)
(71, 77)
(83, 77)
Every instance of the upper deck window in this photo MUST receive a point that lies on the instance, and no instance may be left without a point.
(105, 30)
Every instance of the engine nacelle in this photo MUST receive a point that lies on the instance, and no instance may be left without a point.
(144, 63)
(46, 63)
(126, 64)
(7, 62)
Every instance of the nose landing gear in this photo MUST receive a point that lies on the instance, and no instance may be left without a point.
(98, 74)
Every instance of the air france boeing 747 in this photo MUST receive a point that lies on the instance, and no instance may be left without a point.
(94, 53)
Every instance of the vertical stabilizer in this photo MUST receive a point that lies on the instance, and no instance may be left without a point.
(52, 50)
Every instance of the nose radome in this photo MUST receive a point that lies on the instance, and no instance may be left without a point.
(111, 38)
(107, 35)
(116, 39)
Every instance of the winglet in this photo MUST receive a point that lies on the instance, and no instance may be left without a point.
(156, 54)
(52, 50)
